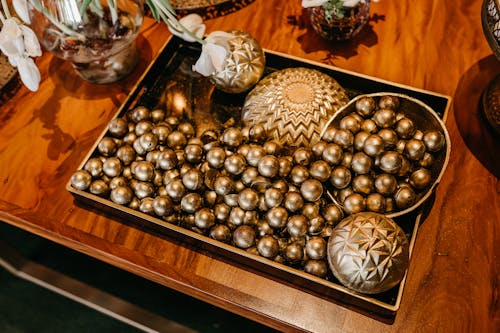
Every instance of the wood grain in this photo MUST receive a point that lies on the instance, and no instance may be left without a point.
(453, 280)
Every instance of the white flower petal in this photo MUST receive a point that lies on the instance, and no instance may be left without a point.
(352, 3)
(31, 44)
(220, 38)
(11, 39)
(13, 60)
(21, 8)
(193, 23)
(312, 3)
(29, 73)
(217, 55)
(204, 65)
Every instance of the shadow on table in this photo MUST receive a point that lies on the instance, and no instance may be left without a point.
(477, 134)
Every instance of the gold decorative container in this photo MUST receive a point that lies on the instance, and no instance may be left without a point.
(294, 104)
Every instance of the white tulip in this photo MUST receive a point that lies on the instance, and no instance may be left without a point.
(11, 39)
(31, 44)
(213, 53)
(29, 73)
(21, 8)
(352, 3)
(313, 3)
(193, 23)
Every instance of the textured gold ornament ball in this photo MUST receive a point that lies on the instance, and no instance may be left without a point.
(368, 253)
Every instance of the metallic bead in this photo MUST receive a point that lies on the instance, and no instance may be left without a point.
(142, 189)
(129, 138)
(191, 202)
(316, 267)
(420, 178)
(220, 232)
(385, 184)
(221, 212)
(273, 197)
(99, 187)
(112, 167)
(134, 204)
(433, 140)
(405, 128)
(172, 120)
(373, 145)
(232, 137)
(194, 153)
(272, 147)
(389, 205)
(375, 202)
(162, 132)
(143, 127)
(340, 177)
(318, 148)
(375, 236)
(350, 123)
(239, 186)
(277, 217)
(418, 135)
(235, 164)
(146, 206)
(390, 162)
(117, 181)
(297, 226)
(152, 156)
(139, 113)
(389, 136)
(121, 195)
(316, 248)
(363, 184)
(311, 210)
(257, 133)
(311, 190)
(344, 138)
(369, 126)
(181, 159)
(263, 228)
(94, 167)
(157, 115)
(170, 175)
(193, 179)
(187, 129)
(343, 194)
(248, 199)
(346, 159)
(404, 197)
(231, 199)
(285, 166)
(293, 201)
(281, 185)
(249, 175)
(329, 134)
(332, 213)
(400, 146)
(167, 159)
(176, 140)
(320, 170)
(365, 106)
(316, 225)
(162, 205)
(354, 203)
(148, 141)
(204, 218)
(244, 236)
(294, 252)
(268, 246)
(388, 101)
(268, 166)
(426, 161)
(127, 172)
(415, 149)
(118, 127)
(361, 163)
(139, 149)
(254, 155)
(107, 146)
(143, 170)
(299, 174)
(251, 217)
(302, 156)
(384, 118)
(359, 140)
(175, 189)
(216, 157)
(333, 154)
(223, 185)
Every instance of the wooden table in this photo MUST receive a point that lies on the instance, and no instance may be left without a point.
(453, 281)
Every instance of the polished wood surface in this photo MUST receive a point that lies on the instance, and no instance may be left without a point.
(453, 281)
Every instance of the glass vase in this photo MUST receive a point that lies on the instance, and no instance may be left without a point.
(97, 37)
(340, 29)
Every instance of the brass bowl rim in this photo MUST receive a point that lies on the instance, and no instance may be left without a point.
(425, 107)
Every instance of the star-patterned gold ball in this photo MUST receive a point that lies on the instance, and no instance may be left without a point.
(368, 253)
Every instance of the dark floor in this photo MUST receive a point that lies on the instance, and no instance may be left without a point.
(26, 307)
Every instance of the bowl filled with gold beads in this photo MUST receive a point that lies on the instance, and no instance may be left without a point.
(387, 153)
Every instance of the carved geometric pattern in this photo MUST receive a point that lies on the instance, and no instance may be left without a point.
(368, 252)
(294, 104)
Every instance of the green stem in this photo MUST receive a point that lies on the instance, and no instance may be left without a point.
(39, 7)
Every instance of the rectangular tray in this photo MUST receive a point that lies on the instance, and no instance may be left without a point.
(170, 69)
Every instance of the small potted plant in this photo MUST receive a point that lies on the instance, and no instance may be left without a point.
(338, 20)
